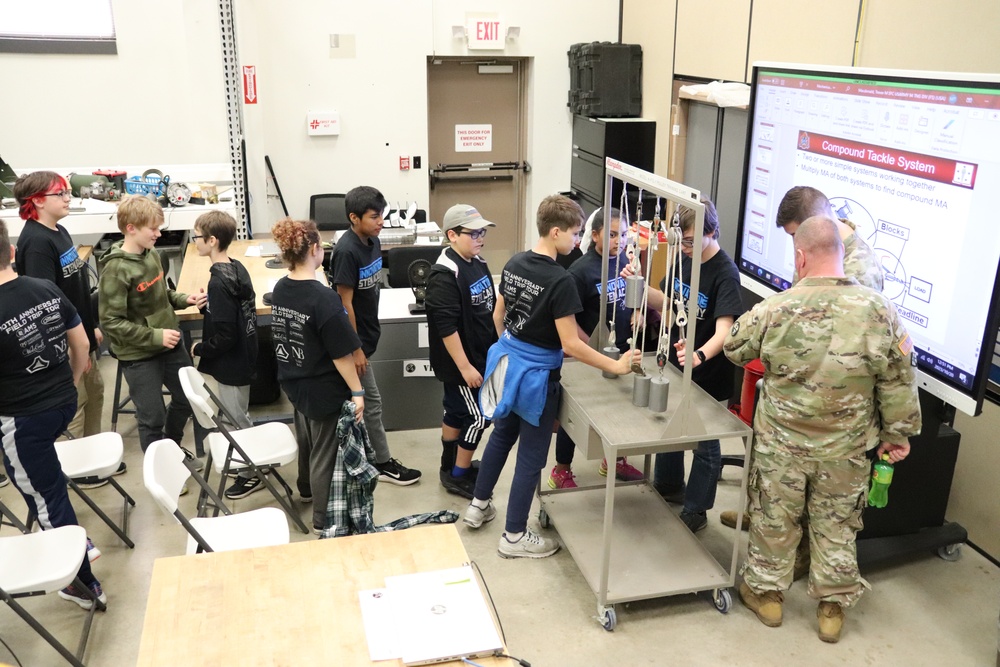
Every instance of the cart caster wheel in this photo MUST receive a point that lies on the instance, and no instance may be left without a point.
(607, 617)
(950, 552)
(723, 600)
(543, 519)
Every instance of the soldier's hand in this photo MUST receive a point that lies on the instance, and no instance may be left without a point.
(896, 452)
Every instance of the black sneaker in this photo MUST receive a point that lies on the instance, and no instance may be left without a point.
(198, 464)
(243, 487)
(695, 521)
(97, 482)
(90, 482)
(460, 486)
(4, 480)
(394, 472)
(73, 594)
(673, 495)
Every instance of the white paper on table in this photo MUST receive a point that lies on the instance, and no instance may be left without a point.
(379, 619)
(252, 251)
(271, 283)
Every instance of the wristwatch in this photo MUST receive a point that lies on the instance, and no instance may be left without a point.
(701, 355)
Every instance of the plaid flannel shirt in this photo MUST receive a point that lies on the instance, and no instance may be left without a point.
(350, 507)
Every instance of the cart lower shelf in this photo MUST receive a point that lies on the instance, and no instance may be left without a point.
(653, 554)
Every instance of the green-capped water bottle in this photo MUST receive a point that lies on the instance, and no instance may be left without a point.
(878, 495)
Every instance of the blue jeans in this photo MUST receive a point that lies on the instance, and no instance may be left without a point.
(699, 496)
(532, 454)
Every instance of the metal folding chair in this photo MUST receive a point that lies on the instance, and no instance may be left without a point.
(39, 563)
(165, 469)
(250, 449)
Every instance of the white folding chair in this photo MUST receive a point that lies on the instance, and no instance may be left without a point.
(164, 472)
(45, 562)
(250, 449)
(97, 456)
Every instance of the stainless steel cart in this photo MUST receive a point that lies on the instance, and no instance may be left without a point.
(645, 551)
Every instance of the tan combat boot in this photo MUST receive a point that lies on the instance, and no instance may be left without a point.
(766, 605)
(728, 518)
(831, 620)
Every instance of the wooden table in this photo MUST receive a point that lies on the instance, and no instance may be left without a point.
(195, 274)
(294, 604)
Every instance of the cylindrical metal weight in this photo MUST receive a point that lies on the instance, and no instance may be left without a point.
(659, 391)
(612, 353)
(640, 390)
(635, 287)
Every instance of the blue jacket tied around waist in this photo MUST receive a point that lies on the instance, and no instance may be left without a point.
(516, 379)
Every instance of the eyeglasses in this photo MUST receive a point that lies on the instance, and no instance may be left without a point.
(195, 237)
(687, 243)
(65, 194)
(476, 234)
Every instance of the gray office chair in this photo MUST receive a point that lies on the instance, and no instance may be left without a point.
(328, 212)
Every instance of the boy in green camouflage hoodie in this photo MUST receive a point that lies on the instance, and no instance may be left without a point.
(136, 311)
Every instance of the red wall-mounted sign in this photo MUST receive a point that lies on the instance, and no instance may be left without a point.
(250, 84)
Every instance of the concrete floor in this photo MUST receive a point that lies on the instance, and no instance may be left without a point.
(922, 610)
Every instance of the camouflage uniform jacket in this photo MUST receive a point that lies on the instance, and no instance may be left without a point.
(860, 261)
(837, 375)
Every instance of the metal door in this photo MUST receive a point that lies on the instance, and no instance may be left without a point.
(476, 144)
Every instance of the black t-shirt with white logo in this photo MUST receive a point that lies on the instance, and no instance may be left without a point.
(537, 292)
(358, 264)
(35, 374)
(310, 329)
(718, 296)
(51, 254)
(586, 271)
(460, 299)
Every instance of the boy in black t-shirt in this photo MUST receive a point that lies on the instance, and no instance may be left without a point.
(586, 273)
(357, 267)
(46, 250)
(460, 300)
(228, 347)
(537, 305)
(719, 304)
(44, 349)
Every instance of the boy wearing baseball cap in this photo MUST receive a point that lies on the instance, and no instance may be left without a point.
(460, 301)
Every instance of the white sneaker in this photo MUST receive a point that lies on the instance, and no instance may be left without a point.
(475, 517)
(531, 545)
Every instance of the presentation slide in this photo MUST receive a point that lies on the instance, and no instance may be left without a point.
(914, 165)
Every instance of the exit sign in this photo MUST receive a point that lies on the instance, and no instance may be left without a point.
(485, 31)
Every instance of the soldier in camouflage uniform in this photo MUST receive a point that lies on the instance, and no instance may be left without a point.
(837, 381)
(860, 262)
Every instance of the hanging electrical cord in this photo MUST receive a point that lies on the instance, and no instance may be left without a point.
(493, 606)
(857, 32)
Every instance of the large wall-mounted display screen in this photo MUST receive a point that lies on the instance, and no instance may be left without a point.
(913, 160)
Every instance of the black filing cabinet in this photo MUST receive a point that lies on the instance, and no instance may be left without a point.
(629, 140)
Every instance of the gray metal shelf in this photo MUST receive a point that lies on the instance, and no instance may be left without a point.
(645, 551)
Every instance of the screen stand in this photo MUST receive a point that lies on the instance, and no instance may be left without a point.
(913, 521)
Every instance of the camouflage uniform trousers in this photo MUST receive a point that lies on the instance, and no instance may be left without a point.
(832, 493)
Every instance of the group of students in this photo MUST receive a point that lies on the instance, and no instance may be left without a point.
(498, 350)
